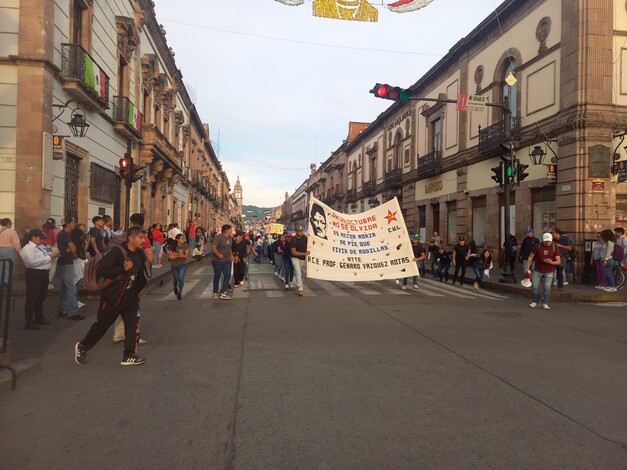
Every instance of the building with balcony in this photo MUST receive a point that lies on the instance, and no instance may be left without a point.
(110, 64)
(569, 102)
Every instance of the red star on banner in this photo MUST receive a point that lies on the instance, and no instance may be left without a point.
(391, 216)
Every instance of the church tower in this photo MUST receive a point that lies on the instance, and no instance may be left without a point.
(238, 195)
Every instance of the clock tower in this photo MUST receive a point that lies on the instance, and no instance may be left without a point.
(238, 196)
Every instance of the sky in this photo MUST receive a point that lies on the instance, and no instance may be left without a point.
(278, 86)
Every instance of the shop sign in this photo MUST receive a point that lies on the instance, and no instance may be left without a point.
(598, 186)
(58, 147)
(551, 173)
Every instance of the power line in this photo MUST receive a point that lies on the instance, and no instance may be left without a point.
(298, 41)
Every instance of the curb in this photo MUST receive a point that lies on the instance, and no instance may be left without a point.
(563, 296)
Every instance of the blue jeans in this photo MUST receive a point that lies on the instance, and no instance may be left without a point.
(479, 272)
(607, 270)
(415, 277)
(68, 304)
(278, 263)
(7, 253)
(288, 269)
(157, 252)
(442, 271)
(178, 277)
(221, 269)
(536, 280)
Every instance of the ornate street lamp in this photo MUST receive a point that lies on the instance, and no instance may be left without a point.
(78, 124)
(537, 155)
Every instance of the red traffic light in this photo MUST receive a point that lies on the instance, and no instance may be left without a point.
(380, 91)
(124, 164)
(388, 92)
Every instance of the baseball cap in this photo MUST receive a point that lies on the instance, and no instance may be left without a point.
(36, 233)
(547, 237)
(299, 228)
(461, 239)
(51, 221)
(530, 230)
(416, 236)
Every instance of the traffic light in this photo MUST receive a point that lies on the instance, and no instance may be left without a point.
(135, 173)
(521, 172)
(388, 92)
(508, 172)
(498, 174)
(124, 168)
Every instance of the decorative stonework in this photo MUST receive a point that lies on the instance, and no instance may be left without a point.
(149, 70)
(479, 77)
(128, 37)
(542, 33)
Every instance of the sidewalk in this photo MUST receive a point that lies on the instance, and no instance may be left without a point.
(570, 293)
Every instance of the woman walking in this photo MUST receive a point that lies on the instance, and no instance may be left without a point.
(607, 250)
(288, 267)
(480, 265)
(178, 255)
(597, 262)
(157, 243)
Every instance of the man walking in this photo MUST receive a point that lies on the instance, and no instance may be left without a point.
(221, 247)
(125, 265)
(298, 247)
(547, 258)
(96, 236)
(240, 249)
(526, 247)
(461, 254)
(561, 241)
(420, 254)
(37, 262)
(68, 301)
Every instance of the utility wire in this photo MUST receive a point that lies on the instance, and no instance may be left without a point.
(298, 41)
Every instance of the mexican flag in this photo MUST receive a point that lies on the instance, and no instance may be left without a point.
(95, 78)
(134, 118)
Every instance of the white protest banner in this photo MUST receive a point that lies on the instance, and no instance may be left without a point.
(370, 246)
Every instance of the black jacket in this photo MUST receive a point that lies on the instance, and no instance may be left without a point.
(112, 267)
(527, 245)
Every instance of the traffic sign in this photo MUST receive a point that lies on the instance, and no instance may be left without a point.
(476, 103)
(462, 102)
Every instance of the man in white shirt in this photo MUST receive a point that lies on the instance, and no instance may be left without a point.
(37, 262)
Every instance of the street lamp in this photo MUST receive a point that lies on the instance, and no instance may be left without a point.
(78, 124)
(537, 155)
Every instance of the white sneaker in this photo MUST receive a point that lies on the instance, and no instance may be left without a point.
(81, 305)
(565, 283)
(533, 304)
(476, 285)
(287, 286)
(225, 296)
(610, 289)
(403, 287)
(416, 286)
(546, 307)
(599, 287)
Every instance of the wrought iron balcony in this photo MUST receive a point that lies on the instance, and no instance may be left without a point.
(430, 164)
(491, 137)
(84, 79)
(351, 195)
(127, 117)
(393, 178)
(368, 188)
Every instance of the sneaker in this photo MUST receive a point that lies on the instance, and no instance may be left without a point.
(225, 296)
(80, 355)
(215, 296)
(403, 287)
(81, 305)
(300, 293)
(546, 307)
(287, 286)
(610, 289)
(565, 283)
(118, 339)
(132, 360)
(236, 285)
(416, 286)
(533, 304)
(178, 296)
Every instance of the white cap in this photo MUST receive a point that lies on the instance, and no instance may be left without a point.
(547, 237)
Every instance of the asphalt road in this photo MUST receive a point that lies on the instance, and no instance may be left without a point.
(351, 376)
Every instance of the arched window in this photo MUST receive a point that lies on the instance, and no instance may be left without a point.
(354, 175)
(398, 150)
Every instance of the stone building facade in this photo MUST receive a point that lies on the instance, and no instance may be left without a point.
(109, 62)
(569, 102)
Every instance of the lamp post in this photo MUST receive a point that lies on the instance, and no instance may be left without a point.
(78, 124)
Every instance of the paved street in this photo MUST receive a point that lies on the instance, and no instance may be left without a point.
(362, 376)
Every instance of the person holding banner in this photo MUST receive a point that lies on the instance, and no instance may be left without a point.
(298, 247)
(420, 254)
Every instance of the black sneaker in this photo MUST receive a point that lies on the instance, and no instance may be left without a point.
(178, 296)
(80, 355)
(132, 360)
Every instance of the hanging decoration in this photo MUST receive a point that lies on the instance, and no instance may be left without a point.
(356, 10)
(404, 6)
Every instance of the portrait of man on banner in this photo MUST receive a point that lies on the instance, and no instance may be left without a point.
(318, 221)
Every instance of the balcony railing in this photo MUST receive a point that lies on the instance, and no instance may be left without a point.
(393, 178)
(491, 137)
(79, 68)
(351, 195)
(125, 112)
(368, 188)
(430, 164)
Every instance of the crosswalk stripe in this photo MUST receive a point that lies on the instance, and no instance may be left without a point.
(457, 292)
(332, 288)
(189, 286)
(197, 271)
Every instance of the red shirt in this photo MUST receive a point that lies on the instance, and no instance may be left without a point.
(157, 236)
(542, 252)
(192, 230)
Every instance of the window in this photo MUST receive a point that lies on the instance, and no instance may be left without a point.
(79, 24)
(373, 169)
(621, 210)
(436, 135)
(123, 77)
(398, 150)
(543, 209)
(479, 218)
(422, 222)
(451, 228)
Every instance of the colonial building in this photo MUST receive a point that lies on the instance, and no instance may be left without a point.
(106, 65)
(568, 106)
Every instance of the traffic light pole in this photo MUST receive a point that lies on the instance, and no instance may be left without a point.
(508, 273)
(129, 182)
